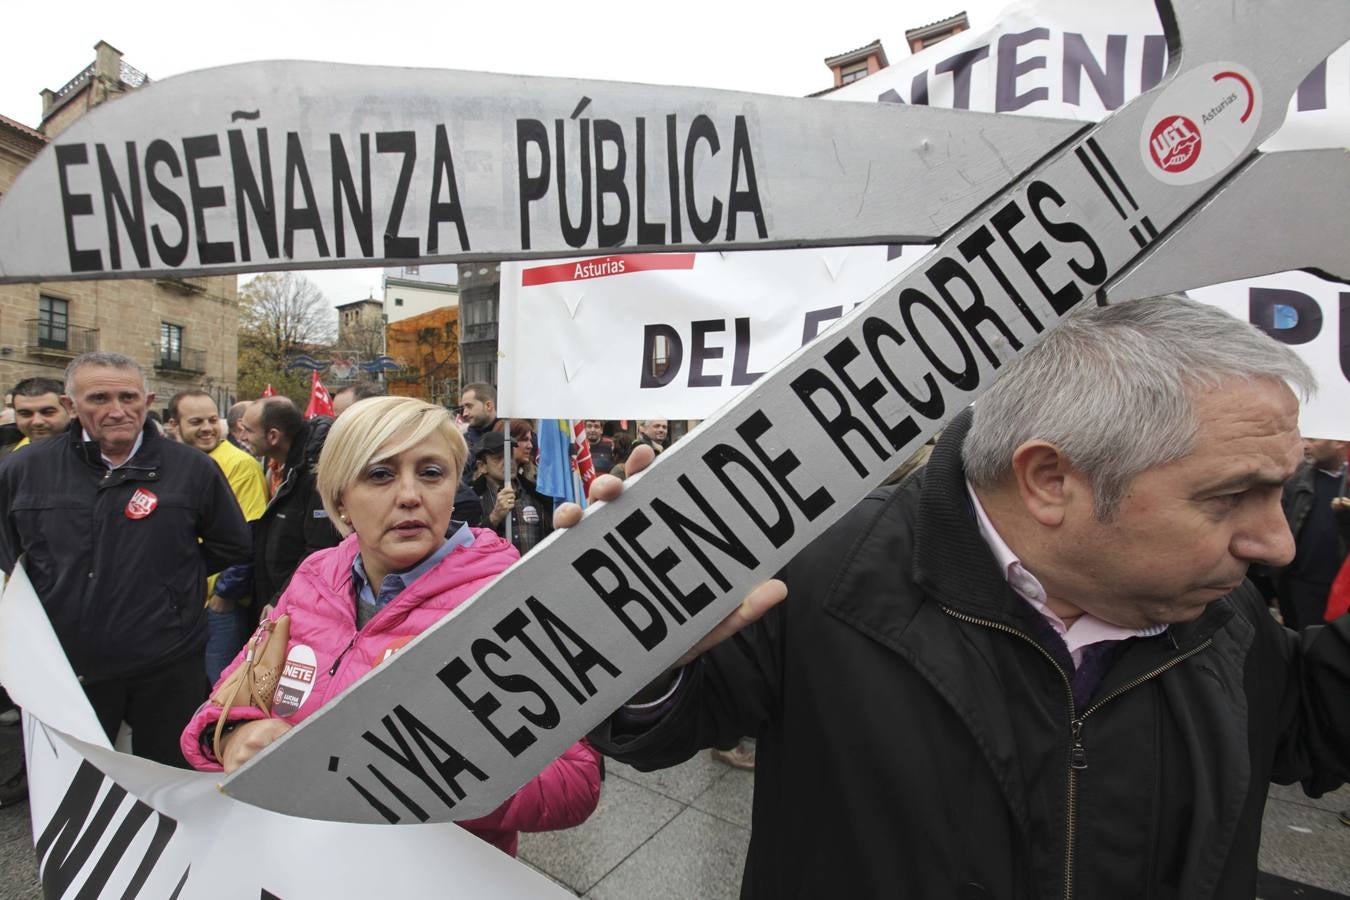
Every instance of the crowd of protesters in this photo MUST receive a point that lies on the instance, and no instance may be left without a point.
(161, 539)
(1072, 550)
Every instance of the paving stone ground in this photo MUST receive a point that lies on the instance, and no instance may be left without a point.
(681, 834)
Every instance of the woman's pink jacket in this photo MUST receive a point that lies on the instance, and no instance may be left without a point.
(321, 602)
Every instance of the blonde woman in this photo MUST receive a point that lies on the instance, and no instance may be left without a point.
(388, 476)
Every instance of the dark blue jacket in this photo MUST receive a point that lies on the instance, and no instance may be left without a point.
(125, 592)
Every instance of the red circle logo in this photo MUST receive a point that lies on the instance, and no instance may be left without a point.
(1174, 144)
(141, 504)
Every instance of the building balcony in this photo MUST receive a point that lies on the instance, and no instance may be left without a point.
(185, 286)
(187, 361)
(43, 338)
(485, 331)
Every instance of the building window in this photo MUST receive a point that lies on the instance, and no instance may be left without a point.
(398, 301)
(412, 270)
(853, 73)
(170, 345)
(53, 323)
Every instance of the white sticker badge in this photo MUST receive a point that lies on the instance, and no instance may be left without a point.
(297, 680)
(1200, 123)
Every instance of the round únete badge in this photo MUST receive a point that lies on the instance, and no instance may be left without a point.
(296, 681)
(1201, 123)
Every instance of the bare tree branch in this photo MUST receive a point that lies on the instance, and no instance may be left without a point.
(280, 311)
(280, 314)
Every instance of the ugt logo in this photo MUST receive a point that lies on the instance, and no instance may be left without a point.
(142, 504)
(1175, 144)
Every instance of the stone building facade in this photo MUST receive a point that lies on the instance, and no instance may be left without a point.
(183, 331)
(358, 316)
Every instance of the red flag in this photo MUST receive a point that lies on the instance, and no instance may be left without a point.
(1338, 599)
(585, 468)
(269, 391)
(320, 402)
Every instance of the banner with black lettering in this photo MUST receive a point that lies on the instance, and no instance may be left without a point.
(107, 824)
(597, 338)
(294, 165)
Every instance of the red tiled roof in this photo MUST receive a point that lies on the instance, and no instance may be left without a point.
(939, 25)
(23, 129)
(858, 53)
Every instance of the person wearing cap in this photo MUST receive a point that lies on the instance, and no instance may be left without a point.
(531, 515)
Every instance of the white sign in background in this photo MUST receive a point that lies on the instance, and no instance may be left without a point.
(584, 343)
(105, 822)
(581, 348)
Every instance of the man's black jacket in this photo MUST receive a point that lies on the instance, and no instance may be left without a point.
(294, 524)
(917, 738)
(124, 593)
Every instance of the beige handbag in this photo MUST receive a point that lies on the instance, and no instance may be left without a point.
(254, 680)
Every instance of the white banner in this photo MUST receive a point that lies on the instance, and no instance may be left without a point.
(583, 347)
(582, 334)
(107, 824)
(294, 165)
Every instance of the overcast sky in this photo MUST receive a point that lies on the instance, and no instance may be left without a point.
(762, 47)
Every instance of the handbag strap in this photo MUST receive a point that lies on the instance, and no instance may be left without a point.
(246, 686)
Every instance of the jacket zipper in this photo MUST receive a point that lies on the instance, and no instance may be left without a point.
(1077, 752)
(282, 489)
(96, 522)
(357, 634)
(337, 662)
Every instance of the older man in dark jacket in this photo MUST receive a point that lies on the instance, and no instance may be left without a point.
(1035, 670)
(119, 528)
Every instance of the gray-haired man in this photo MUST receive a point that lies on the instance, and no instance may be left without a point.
(1036, 668)
(119, 528)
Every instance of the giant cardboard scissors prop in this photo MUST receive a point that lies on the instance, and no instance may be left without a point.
(304, 165)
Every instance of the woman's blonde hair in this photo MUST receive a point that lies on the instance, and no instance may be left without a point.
(363, 431)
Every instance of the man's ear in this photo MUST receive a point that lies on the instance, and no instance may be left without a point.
(1045, 481)
(69, 405)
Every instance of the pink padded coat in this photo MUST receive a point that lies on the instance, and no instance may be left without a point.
(321, 602)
